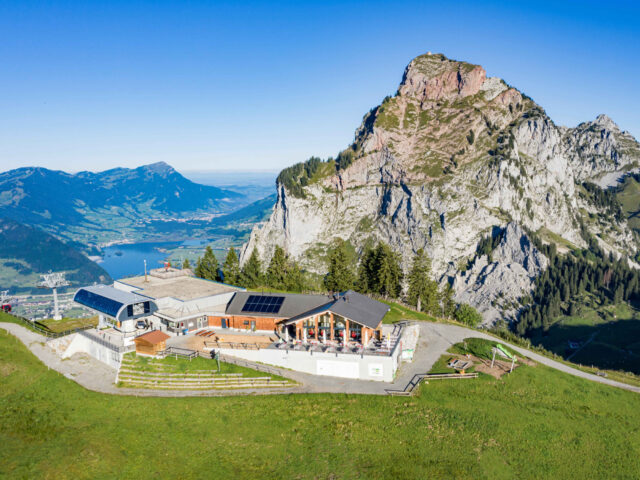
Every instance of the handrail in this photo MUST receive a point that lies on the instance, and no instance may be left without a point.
(233, 345)
(419, 377)
(48, 333)
(112, 346)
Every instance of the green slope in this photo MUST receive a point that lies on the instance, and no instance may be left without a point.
(26, 252)
(536, 423)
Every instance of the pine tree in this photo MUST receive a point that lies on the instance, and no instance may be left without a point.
(388, 272)
(207, 266)
(423, 291)
(276, 275)
(186, 265)
(366, 277)
(231, 267)
(448, 303)
(294, 281)
(340, 277)
(251, 275)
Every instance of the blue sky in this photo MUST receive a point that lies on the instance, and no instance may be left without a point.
(215, 85)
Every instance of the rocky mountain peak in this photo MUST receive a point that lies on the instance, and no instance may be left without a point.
(435, 77)
(159, 168)
(447, 160)
(606, 122)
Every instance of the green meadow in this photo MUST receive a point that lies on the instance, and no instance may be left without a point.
(535, 423)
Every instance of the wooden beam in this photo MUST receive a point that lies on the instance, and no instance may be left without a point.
(332, 324)
(346, 331)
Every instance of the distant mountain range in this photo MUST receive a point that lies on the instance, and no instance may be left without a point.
(27, 252)
(93, 208)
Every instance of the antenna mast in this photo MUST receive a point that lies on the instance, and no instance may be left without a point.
(54, 281)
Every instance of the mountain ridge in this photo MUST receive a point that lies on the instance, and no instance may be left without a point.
(450, 156)
(77, 205)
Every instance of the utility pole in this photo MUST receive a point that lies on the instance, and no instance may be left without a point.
(145, 271)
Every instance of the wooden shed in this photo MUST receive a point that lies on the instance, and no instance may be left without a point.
(151, 343)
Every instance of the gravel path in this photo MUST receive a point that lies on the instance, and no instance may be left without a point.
(434, 340)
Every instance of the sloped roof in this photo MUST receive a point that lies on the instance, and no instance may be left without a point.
(154, 337)
(292, 305)
(106, 299)
(352, 305)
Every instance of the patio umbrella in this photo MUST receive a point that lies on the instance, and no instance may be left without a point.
(304, 335)
(324, 335)
(366, 338)
(389, 341)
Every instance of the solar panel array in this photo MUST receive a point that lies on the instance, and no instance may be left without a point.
(263, 304)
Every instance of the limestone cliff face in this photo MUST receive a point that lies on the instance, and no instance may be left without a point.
(494, 285)
(450, 156)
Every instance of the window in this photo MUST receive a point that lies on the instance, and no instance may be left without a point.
(130, 310)
(138, 308)
(147, 307)
(263, 304)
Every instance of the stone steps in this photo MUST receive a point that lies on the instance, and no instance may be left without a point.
(172, 385)
(127, 377)
(127, 371)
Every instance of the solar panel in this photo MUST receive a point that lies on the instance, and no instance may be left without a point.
(263, 304)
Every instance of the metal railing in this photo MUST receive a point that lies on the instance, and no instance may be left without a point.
(233, 345)
(419, 377)
(35, 326)
(254, 366)
(94, 337)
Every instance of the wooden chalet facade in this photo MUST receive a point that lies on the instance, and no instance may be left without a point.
(348, 315)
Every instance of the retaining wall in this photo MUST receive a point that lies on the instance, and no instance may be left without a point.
(362, 367)
(82, 344)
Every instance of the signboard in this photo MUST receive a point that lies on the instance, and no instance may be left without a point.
(407, 354)
(376, 370)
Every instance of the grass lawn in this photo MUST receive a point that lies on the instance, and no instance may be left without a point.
(68, 323)
(536, 423)
(400, 312)
(53, 325)
(181, 365)
(441, 365)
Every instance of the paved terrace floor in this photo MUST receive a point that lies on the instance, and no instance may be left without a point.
(434, 340)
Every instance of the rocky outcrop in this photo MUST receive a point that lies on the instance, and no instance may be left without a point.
(435, 77)
(494, 286)
(451, 156)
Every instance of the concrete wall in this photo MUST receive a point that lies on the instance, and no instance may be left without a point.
(81, 344)
(367, 367)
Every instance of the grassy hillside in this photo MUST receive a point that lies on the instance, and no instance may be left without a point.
(606, 336)
(535, 423)
(26, 252)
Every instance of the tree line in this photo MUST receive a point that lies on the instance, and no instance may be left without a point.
(379, 273)
(282, 272)
(558, 290)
